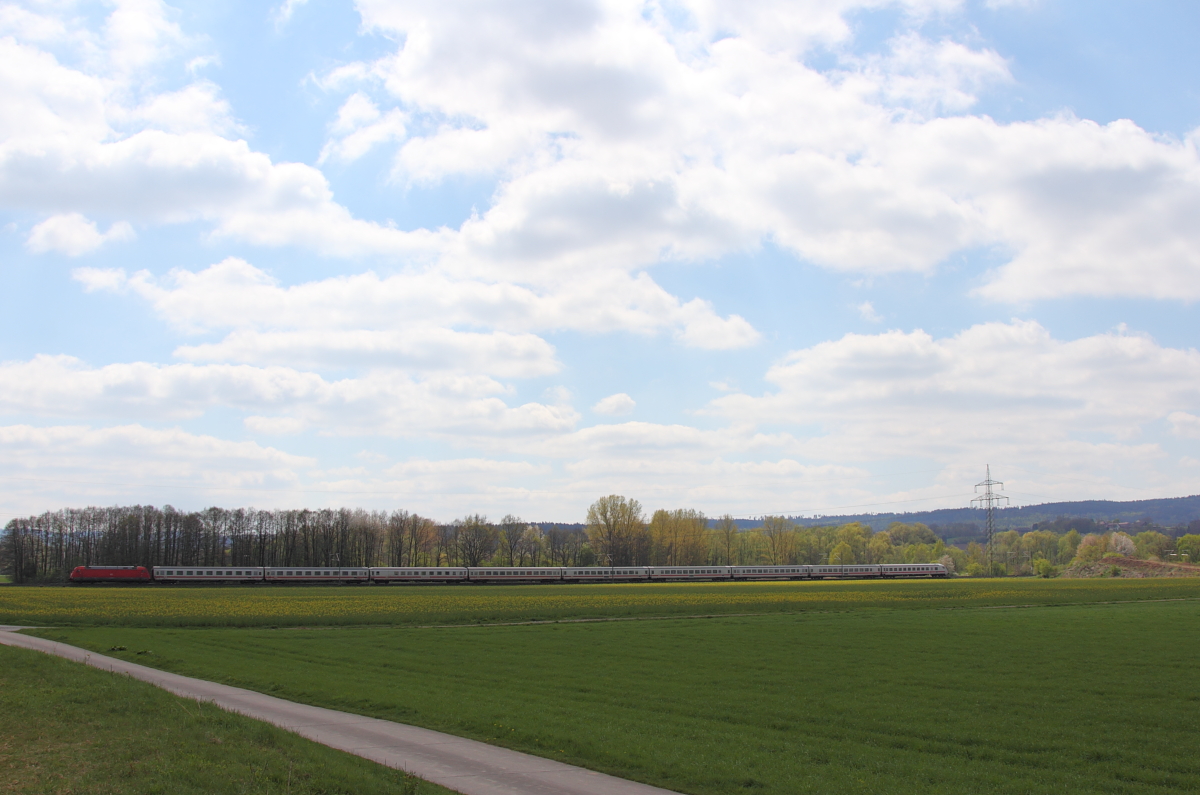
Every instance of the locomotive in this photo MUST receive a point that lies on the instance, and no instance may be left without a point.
(381, 575)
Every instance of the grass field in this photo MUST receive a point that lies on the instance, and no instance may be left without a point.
(1067, 699)
(416, 605)
(68, 728)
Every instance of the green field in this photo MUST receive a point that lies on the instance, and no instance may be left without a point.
(172, 606)
(67, 728)
(1065, 699)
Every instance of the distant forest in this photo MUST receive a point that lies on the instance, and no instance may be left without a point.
(961, 525)
(45, 548)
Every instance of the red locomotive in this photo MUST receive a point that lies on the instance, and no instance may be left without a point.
(110, 574)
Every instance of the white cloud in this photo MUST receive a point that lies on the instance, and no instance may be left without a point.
(1184, 424)
(100, 139)
(620, 136)
(380, 402)
(359, 127)
(235, 294)
(274, 426)
(74, 465)
(420, 348)
(617, 405)
(197, 108)
(866, 311)
(74, 235)
(930, 77)
(625, 138)
(1008, 388)
(283, 12)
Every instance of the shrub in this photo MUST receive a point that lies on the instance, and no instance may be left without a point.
(1121, 544)
(1045, 568)
(1091, 548)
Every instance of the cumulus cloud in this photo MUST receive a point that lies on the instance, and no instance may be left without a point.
(361, 315)
(98, 138)
(866, 310)
(1008, 388)
(1184, 424)
(619, 137)
(382, 402)
(74, 235)
(626, 137)
(77, 464)
(616, 405)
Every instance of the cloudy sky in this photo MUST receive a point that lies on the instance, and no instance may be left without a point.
(804, 257)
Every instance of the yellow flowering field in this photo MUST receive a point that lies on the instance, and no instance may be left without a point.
(408, 605)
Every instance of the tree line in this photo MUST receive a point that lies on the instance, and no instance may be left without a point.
(45, 548)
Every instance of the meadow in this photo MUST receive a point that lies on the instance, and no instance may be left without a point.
(1073, 698)
(266, 606)
(84, 730)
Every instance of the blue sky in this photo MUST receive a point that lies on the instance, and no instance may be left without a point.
(509, 257)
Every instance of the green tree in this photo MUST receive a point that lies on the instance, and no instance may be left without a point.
(1044, 568)
(617, 530)
(915, 533)
(1152, 544)
(880, 549)
(842, 555)
(1067, 546)
(1189, 545)
(858, 536)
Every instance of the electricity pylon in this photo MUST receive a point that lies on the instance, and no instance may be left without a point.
(989, 501)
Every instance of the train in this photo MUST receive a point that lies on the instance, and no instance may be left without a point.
(429, 575)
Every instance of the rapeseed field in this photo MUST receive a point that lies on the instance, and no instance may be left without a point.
(251, 606)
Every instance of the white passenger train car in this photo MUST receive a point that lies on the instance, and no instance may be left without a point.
(913, 570)
(316, 574)
(606, 574)
(515, 574)
(770, 572)
(674, 573)
(208, 574)
(419, 574)
(851, 571)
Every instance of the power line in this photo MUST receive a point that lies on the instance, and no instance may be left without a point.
(989, 500)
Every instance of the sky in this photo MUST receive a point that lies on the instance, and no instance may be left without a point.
(804, 258)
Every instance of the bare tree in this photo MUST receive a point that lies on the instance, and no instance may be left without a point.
(727, 531)
(779, 533)
(512, 529)
(531, 545)
(617, 530)
(476, 540)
